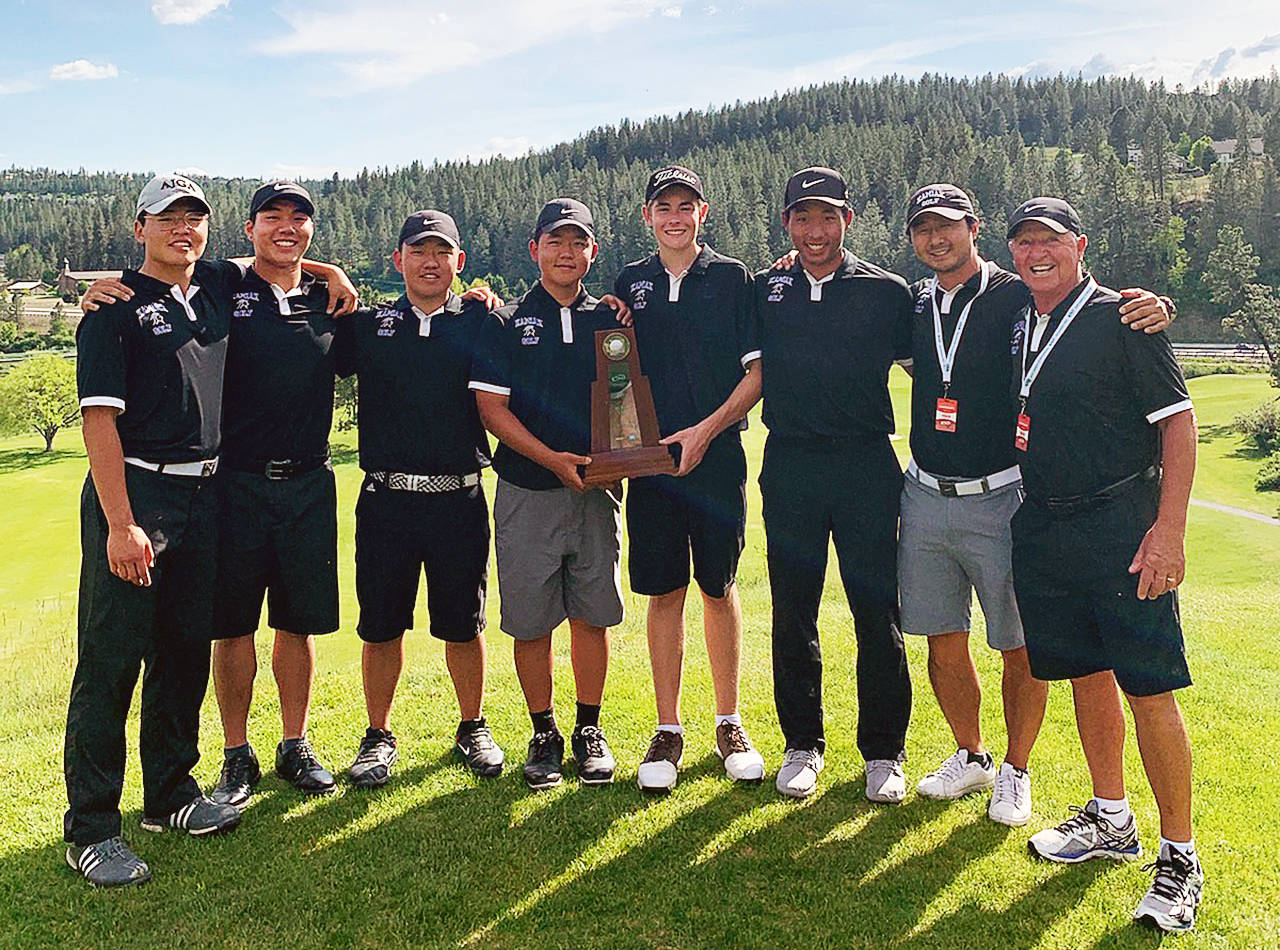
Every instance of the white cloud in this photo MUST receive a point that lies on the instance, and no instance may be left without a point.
(672, 12)
(184, 11)
(512, 146)
(191, 171)
(1253, 60)
(379, 47)
(11, 87)
(79, 69)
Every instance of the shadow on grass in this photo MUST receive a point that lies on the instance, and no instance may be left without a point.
(441, 859)
(19, 460)
(1244, 450)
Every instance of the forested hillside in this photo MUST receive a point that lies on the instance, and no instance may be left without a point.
(1151, 221)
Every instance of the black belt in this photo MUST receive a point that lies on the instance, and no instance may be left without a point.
(1067, 504)
(277, 469)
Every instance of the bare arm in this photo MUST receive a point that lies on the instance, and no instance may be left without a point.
(502, 422)
(129, 550)
(1161, 559)
(694, 440)
(1143, 310)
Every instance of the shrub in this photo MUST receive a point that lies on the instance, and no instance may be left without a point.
(1269, 475)
(1192, 368)
(1261, 425)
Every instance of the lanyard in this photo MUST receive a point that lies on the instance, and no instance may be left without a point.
(947, 355)
(1029, 376)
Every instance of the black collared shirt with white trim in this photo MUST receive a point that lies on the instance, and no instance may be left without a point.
(1097, 399)
(982, 442)
(416, 413)
(543, 357)
(694, 334)
(159, 359)
(280, 366)
(827, 347)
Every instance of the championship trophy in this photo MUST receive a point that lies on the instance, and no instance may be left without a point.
(624, 424)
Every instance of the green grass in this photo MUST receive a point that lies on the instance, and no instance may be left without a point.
(440, 859)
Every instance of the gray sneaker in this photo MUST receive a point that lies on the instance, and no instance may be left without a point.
(886, 782)
(200, 816)
(108, 863)
(377, 754)
(1170, 905)
(798, 775)
(1085, 835)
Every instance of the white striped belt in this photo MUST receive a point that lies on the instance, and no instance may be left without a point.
(407, 481)
(190, 469)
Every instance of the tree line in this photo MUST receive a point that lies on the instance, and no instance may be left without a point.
(1003, 139)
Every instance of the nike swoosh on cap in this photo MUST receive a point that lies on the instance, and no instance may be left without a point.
(280, 185)
(810, 184)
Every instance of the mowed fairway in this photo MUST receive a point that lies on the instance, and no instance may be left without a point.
(440, 859)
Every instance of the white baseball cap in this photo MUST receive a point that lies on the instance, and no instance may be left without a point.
(164, 190)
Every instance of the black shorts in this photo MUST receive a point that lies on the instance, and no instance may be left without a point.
(1079, 603)
(703, 513)
(399, 534)
(277, 538)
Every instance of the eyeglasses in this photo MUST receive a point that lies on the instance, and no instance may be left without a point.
(171, 219)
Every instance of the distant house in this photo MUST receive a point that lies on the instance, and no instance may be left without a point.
(68, 279)
(27, 287)
(1226, 149)
(1177, 163)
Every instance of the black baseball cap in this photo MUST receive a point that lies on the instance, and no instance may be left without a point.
(561, 211)
(429, 223)
(816, 183)
(1053, 213)
(282, 189)
(943, 199)
(664, 178)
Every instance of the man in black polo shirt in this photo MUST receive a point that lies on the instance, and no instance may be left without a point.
(421, 506)
(278, 502)
(831, 326)
(149, 374)
(558, 543)
(961, 489)
(692, 315)
(1107, 440)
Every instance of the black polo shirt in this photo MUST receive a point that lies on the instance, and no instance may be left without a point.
(160, 362)
(981, 443)
(280, 367)
(416, 413)
(694, 334)
(1095, 403)
(826, 361)
(543, 357)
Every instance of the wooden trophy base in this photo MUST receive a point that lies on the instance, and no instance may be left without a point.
(609, 467)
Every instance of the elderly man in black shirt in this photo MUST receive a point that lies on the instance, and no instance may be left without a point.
(1107, 443)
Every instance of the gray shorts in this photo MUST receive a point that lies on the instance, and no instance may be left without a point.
(559, 556)
(949, 547)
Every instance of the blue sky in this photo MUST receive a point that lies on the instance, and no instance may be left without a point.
(286, 87)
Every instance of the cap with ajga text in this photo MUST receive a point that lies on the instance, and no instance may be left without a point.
(561, 211)
(664, 178)
(1053, 213)
(429, 223)
(942, 199)
(282, 189)
(164, 190)
(817, 183)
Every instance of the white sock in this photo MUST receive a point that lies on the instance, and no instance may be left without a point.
(733, 717)
(1186, 848)
(668, 727)
(1114, 810)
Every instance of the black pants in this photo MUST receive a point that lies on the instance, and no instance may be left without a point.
(848, 493)
(164, 628)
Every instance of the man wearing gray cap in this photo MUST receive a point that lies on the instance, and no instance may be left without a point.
(149, 375)
(1106, 439)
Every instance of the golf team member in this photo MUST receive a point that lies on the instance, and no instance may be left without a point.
(557, 542)
(1107, 439)
(277, 498)
(421, 507)
(961, 489)
(149, 375)
(831, 326)
(692, 316)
